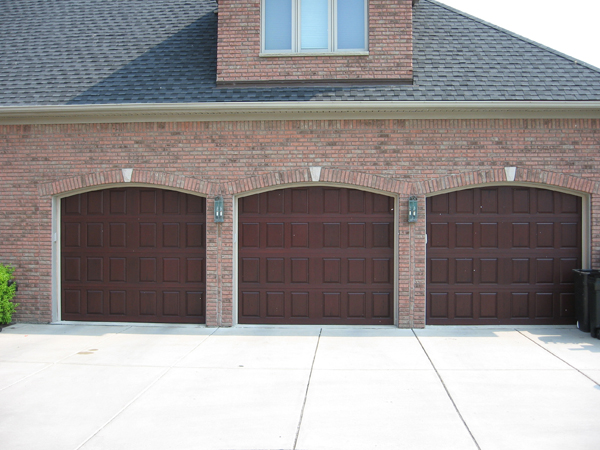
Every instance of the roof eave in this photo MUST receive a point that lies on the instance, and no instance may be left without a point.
(243, 111)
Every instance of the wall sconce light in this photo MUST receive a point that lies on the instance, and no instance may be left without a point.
(412, 209)
(219, 209)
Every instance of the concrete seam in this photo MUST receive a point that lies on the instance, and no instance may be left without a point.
(146, 389)
(306, 392)
(558, 357)
(48, 364)
(447, 391)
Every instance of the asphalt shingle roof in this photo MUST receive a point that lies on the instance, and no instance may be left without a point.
(59, 52)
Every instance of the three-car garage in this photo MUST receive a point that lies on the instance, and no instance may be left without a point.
(321, 255)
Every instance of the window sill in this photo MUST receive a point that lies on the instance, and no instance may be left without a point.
(296, 54)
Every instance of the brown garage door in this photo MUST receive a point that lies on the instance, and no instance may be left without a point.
(133, 254)
(316, 255)
(502, 255)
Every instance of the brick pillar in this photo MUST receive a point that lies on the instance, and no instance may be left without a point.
(404, 263)
(212, 265)
(595, 231)
(219, 265)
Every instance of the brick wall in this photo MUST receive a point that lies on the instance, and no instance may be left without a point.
(228, 158)
(390, 48)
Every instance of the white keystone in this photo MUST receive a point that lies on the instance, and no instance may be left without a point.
(315, 173)
(127, 173)
(511, 172)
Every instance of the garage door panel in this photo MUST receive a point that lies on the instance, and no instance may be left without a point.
(567, 304)
(566, 270)
(332, 233)
(569, 235)
(382, 235)
(489, 271)
(171, 270)
(488, 201)
(118, 269)
(520, 269)
(489, 235)
(300, 236)
(299, 204)
(250, 304)
(488, 305)
(382, 305)
(439, 271)
(440, 204)
(544, 303)
(357, 271)
(171, 303)
(545, 201)
(464, 235)
(71, 235)
(95, 269)
(438, 305)
(275, 270)
(136, 239)
(117, 302)
(275, 202)
(95, 302)
(148, 201)
(275, 235)
(324, 261)
(463, 305)
(544, 273)
(521, 201)
(276, 304)
(465, 202)
(569, 204)
(300, 304)
(118, 202)
(72, 301)
(332, 270)
(72, 205)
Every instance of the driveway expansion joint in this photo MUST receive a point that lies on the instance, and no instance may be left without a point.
(447, 391)
(558, 357)
(307, 388)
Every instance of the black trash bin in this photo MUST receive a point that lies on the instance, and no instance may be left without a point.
(594, 303)
(582, 308)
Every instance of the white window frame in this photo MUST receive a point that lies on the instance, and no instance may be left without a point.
(296, 38)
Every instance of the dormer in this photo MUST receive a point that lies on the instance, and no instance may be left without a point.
(314, 42)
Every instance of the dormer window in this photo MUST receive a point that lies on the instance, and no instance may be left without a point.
(314, 26)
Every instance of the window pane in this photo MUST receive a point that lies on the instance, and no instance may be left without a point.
(350, 24)
(314, 24)
(278, 24)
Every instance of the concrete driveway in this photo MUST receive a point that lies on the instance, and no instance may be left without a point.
(168, 387)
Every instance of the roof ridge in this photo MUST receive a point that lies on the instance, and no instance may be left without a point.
(515, 35)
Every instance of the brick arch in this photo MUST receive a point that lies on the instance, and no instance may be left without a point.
(111, 177)
(523, 175)
(326, 175)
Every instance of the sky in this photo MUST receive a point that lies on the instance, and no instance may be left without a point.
(569, 26)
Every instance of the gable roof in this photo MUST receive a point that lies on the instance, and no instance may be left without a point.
(76, 52)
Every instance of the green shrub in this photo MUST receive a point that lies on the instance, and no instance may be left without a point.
(7, 307)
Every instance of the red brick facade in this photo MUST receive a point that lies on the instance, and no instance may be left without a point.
(397, 157)
(239, 46)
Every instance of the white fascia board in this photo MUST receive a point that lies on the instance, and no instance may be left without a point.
(317, 110)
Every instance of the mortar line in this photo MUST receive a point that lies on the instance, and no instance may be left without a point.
(447, 391)
(558, 357)
(134, 399)
(306, 392)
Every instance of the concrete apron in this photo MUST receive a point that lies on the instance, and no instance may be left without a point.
(184, 387)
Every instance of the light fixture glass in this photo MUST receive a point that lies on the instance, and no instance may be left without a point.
(412, 209)
(219, 209)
